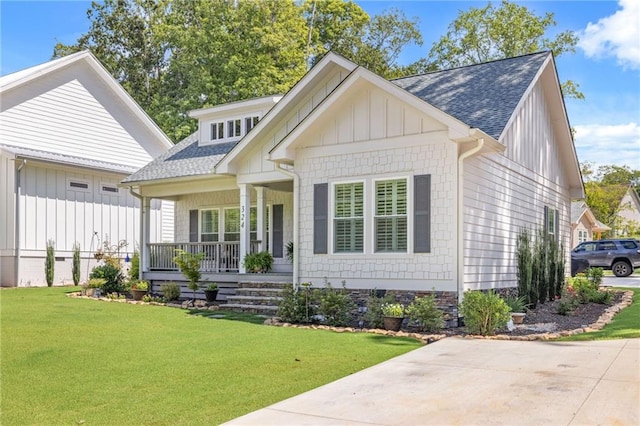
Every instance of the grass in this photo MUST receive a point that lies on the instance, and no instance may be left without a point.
(625, 325)
(73, 361)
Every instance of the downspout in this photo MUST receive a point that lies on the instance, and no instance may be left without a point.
(17, 224)
(141, 230)
(296, 218)
(460, 213)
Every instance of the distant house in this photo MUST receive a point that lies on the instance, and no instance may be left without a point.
(69, 135)
(584, 225)
(627, 221)
(414, 185)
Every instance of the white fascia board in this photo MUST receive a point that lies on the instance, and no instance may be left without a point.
(317, 72)
(282, 151)
(19, 78)
(233, 107)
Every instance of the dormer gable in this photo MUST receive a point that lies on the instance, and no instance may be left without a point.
(230, 122)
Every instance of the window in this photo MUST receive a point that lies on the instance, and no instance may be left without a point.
(249, 123)
(253, 223)
(551, 222)
(629, 245)
(217, 131)
(233, 128)
(391, 216)
(348, 225)
(232, 224)
(209, 225)
(582, 236)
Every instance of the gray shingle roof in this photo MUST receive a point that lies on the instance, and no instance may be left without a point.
(185, 159)
(482, 96)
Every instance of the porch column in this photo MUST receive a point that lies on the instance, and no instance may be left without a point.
(145, 229)
(245, 232)
(260, 213)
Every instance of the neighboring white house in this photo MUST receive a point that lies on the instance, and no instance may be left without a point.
(627, 221)
(415, 185)
(69, 133)
(584, 225)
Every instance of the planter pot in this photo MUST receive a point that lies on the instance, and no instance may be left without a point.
(393, 323)
(517, 317)
(211, 295)
(138, 294)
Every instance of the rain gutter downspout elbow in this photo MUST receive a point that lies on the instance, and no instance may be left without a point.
(296, 219)
(460, 214)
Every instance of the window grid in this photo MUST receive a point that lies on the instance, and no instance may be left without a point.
(232, 224)
(209, 225)
(349, 218)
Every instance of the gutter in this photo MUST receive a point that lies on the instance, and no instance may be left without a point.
(17, 223)
(460, 213)
(296, 220)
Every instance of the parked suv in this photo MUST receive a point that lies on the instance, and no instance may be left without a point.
(619, 255)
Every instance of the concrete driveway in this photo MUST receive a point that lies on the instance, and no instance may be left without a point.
(630, 281)
(459, 381)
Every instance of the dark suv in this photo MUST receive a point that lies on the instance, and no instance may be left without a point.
(619, 255)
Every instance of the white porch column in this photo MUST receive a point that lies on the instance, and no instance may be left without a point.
(245, 232)
(260, 213)
(145, 230)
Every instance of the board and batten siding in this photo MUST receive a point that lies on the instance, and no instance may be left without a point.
(504, 193)
(75, 115)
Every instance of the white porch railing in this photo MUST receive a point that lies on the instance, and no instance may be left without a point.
(218, 256)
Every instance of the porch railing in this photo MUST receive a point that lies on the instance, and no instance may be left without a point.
(218, 256)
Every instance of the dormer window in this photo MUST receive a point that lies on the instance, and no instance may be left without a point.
(234, 128)
(217, 131)
(250, 122)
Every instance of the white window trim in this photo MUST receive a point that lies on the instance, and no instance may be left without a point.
(200, 210)
(71, 180)
(208, 138)
(221, 217)
(409, 215)
(332, 206)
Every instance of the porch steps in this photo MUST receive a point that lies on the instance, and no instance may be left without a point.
(256, 297)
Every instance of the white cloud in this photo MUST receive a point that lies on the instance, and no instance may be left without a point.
(617, 35)
(609, 144)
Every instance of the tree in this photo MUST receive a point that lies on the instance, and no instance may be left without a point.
(490, 33)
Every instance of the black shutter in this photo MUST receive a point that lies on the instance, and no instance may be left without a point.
(193, 226)
(545, 225)
(277, 230)
(320, 217)
(557, 223)
(422, 214)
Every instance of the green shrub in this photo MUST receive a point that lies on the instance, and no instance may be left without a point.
(49, 263)
(602, 297)
(297, 307)
(425, 311)
(112, 275)
(583, 288)
(134, 271)
(170, 291)
(595, 276)
(373, 316)
(335, 305)
(75, 267)
(395, 310)
(515, 303)
(140, 285)
(565, 307)
(258, 262)
(525, 265)
(484, 313)
(96, 283)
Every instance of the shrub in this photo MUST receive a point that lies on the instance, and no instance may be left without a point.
(515, 303)
(374, 316)
(112, 275)
(96, 283)
(49, 263)
(425, 311)
(525, 265)
(583, 287)
(134, 271)
(335, 305)
(189, 264)
(170, 291)
(140, 285)
(484, 313)
(565, 307)
(75, 267)
(297, 306)
(258, 262)
(602, 297)
(595, 276)
(212, 287)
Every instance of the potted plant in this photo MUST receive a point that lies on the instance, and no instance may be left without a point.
(93, 287)
(139, 289)
(260, 262)
(393, 315)
(517, 306)
(211, 292)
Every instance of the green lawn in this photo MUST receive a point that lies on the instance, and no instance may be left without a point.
(625, 325)
(76, 361)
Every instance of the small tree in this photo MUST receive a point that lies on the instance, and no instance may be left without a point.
(75, 267)
(189, 264)
(49, 263)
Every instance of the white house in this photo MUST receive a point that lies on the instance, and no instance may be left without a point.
(584, 225)
(69, 133)
(414, 185)
(627, 221)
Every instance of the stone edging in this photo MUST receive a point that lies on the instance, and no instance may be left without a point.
(604, 319)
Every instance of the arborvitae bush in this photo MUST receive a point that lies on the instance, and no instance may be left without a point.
(134, 271)
(75, 268)
(49, 263)
(525, 265)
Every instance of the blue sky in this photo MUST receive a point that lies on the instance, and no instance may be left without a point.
(606, 63)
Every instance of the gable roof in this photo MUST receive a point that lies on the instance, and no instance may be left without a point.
(483, 95)
(580, 209)
(19, 79)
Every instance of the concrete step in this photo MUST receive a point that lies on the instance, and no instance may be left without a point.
(265, 285)
(259, 292)
(254, 300)
(254, 309)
